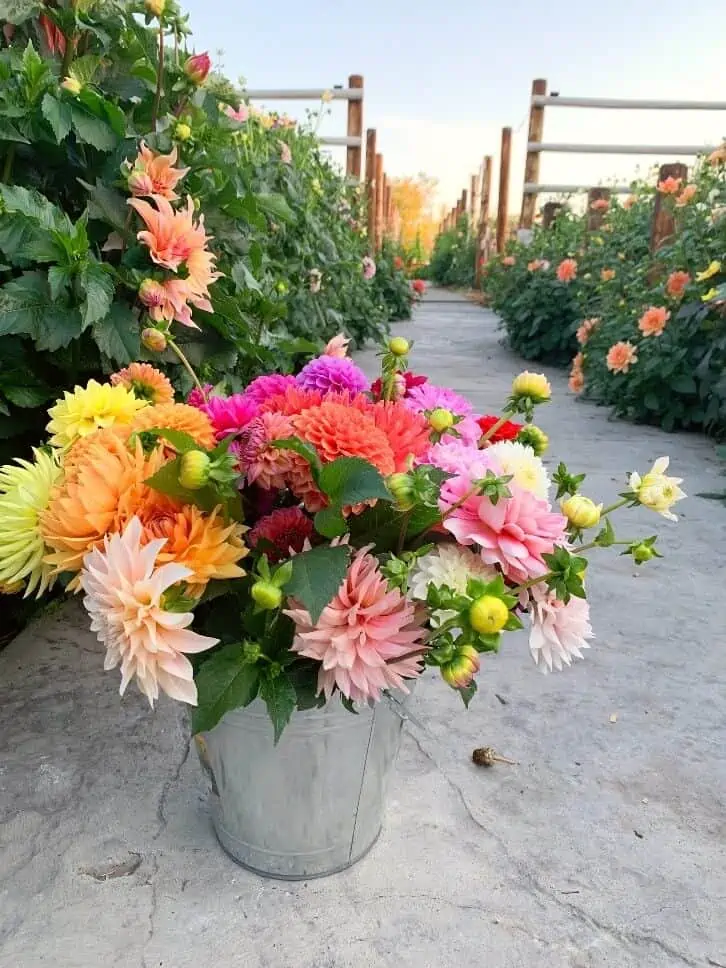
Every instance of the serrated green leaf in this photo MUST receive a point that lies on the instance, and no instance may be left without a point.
(224, 682)
(243, 278)
(58, 115)
(280, 698)
(352, 480)
(91, 130)
(30, 204)
(117, 334)
(84, 68)
(99, 289)
(275, 205)
(317, 575)
(27, 396)
(27, 309)
(106, 205)
(59, 278)
(8, 132)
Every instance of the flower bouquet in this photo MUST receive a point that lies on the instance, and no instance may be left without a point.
(314, 540)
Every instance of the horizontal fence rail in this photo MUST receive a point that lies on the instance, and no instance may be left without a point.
(540, 100)
(577, 149)
(307, 94)
(534, 188)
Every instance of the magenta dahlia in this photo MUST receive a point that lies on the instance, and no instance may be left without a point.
(332, 374)
(230, 415)
(268, 385)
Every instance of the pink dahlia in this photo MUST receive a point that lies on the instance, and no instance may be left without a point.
(267, 386)
(559, 631)
(514, 533)
(263, 464)
(281, 533)
(230, 415)
(198, 398)
(337, 346)
(426, 396)
(332, 374)
(362, 636)
(124, 597)
(459, 458)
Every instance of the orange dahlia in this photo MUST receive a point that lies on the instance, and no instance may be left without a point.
(198, 541)
(146, 383)
(102, 489)
(407, 432)
(177, 416)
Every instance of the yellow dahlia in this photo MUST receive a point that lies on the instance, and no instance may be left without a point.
(146, 383)
(201, 542)
(177, 416)
(89, 408)
(100, 492)
(25, 490)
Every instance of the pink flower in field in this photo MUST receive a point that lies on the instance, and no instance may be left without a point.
(124, 596)
(197, 67)
(240, 115)
(263, 464)
(576, 380)
(559, 631)
(268, 385)
(653, 321)
(337, 346)
(514, 533)
(509, 260)
(362, 635)
(670, 185)
(567, 270)
(687, 195)
(585, 329)
(285, 153)
(600, 205)
(230, 415)
(456, 457)
(536, 264)
(154, 174)
(197, 398)
(369, 267)
(169, 300)
(621, 356)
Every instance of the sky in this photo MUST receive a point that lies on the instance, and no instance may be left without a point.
(442, 77)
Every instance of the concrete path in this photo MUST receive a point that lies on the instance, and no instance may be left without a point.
(603, 848)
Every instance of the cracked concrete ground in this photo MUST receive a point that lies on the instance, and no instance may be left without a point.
(602, 848)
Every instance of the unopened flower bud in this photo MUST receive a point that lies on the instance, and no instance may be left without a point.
(154, 340)
(251, 651)
(266, 595)
(401, 487)
(488, 615)
(399, 346)
(643, 552)
(194, 469)
(155, 7)
(72, 85)
(581, 512)
(197, 67)
(535, 438)
(182, 131)
(462, 668)
(441, 419)
(536, 386)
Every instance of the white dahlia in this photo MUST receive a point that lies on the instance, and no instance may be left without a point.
(522, 463)
(559, 631)
(451, 565)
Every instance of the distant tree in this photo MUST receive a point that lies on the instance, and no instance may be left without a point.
(414, 199)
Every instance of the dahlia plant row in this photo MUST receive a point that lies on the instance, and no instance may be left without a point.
(311, 537)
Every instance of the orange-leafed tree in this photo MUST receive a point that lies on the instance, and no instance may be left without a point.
(413, 197)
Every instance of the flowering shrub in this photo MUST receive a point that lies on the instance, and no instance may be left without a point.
(387, 527)
(137, 190)
(452, 259)
(646, 333)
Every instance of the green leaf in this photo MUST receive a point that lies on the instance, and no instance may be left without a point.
(84, 68)
(317, 575)
(280, 698)
(18, 11)
(243, 278)
(351, 480)
(98, 288)
(8, 132)
(117, 334)
(166, 480)
(224, 682)
(35, 207)
(28, 309)
(276, 206)
(59, 279)
(684, 383)
(181, 442)
(27, 396)
(330, 522)
(58, 115)
(467, 693)
(91, 130)
(106, 205)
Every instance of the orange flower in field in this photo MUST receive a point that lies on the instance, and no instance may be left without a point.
(567, 270)
(621, 356)
(168, 300)
(408, 432)
(576, 381)
(102, 489)
(653, 321)
(535, 265)
(718, 156)
(508, 260)
(177, 416)
(607, 274)
(629, 201)
(687, 195)
(578, 360)
(146, 383)
(676, 284)
(585, 329)
(670, 185)
(600, 205)
(154, 174)
(201, 542)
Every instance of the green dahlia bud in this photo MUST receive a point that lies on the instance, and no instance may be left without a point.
(194, 469)
(399, 346)
(266, 595)
(462, 668)
(441, 419)
(401, 487)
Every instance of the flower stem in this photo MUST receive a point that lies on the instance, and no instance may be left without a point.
(185, 363)
(159, 77)
(68, 53)
(404, 528)
(8, 166)
(495, 427)
(614, 507)
(532, 581)
(407, 655)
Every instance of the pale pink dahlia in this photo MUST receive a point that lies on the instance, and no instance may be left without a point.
(230, 415)
(124, 595)
(332, 374)
(361, 635)
(514, 533)
(559, 631)
(457, 457)
(426, 396)
(263, 464)
(337, 346)
(268, 385)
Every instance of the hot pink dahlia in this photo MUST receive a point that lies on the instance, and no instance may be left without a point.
(281, 533)
(332, 374)
(514, 533)
(426, 396)
(230, 415)
(198, 398)
(262, 464)
(362, 635)
(559, 631)
(267, 386)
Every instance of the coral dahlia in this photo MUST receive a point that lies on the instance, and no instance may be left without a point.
(177, 416)
(407, 432)
(146, 383)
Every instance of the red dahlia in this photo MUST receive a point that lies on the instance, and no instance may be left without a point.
(280, 531)
(508, 430)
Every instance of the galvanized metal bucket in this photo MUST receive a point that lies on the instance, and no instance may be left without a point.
(313, 804)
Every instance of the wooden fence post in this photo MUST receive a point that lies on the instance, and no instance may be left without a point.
(388, 209)
(371, 186)
(595, 215)
(664, 223)
(474, 203)
(355, 129)
(531, 164)
(379, 201)
(549, 213)
(502, 210)
(384, 189)
(462, 203)
(486, 190)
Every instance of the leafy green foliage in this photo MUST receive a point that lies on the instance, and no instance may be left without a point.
(225, 681)
(317, 575)
(280, 697)
(452, 259)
